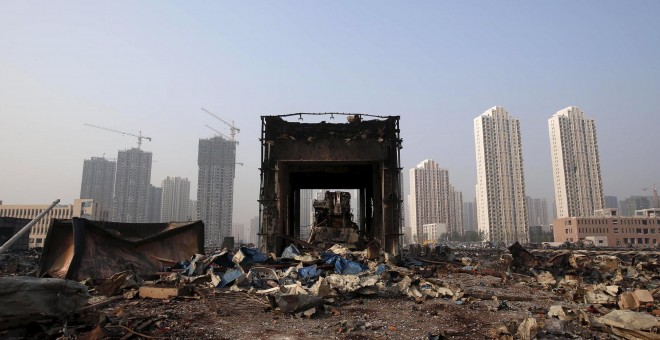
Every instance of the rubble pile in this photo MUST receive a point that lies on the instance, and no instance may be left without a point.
(434, 293)
(19, 263)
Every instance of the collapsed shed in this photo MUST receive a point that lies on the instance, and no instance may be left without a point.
(362, 154)
(79, 248)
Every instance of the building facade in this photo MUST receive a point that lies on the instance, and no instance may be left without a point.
(192, 211)
(629, 205)
(98, 183)
(85, 208)
(537, 211)
(429, 198)
(132, 184)
(575, 164)
(469, 216)
(434, 231)
(501, 206)
(611, 230)
(154, 204)
(215, 190)
(306, 212)
(175, 202)
(611, 202)
(456, 211)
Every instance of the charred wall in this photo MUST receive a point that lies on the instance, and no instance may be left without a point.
(363, 154)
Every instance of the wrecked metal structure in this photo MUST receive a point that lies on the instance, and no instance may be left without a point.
(79, 248)
(333, 222)
(362, 153)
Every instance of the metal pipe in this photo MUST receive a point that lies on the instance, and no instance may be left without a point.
(27, 227)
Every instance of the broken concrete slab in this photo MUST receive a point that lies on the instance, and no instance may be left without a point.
(24, 298)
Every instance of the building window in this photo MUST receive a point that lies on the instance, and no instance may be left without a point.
(616, 230)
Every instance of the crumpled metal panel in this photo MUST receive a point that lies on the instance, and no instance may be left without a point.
(79, 248)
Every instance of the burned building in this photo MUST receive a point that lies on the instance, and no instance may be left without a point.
(362, 153)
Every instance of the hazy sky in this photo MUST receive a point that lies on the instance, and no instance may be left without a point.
(151, 65)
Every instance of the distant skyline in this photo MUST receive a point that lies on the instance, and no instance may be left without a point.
(150, 66)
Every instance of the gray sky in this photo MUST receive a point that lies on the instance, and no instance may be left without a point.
(151, 65)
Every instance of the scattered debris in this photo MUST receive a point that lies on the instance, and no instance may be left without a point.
(541, 293)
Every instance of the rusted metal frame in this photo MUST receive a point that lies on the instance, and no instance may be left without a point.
(332, 113)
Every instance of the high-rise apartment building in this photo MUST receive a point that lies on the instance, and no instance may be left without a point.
(192, 211)
(98, 183)
(611, 202)
(429, 198)
(575, 164)
(215, 190)
(254, 229)
(501, 208)
(306, 212)
(629, 205)
(154, 204)
(537, 212)
(469, 216)
(132, 186)
(175, 202)
(456, 211)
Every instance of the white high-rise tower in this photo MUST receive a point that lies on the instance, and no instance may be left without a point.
(501, 208)
(575, 164)
(429, 198)
(175, 204)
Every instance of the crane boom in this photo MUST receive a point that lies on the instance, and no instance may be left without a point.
(216, 131)
(139, 137)
(232, 128)
(656, 200)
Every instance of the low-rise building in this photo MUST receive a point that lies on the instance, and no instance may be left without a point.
(433, 231)
(86, 208)
(608, 229)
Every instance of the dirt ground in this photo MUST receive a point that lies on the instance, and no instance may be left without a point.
(489, 300)
(224, 314)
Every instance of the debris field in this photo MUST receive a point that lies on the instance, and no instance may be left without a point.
(464, 292)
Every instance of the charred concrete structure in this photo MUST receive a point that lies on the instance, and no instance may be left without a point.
(362, 154)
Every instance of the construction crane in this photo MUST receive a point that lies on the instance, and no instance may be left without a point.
(139, 137)
(218, 132)
(232, 128)
(656, 200)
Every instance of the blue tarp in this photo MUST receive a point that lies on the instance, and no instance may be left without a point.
(310, 273)
(252, 255)
(229, 277)
(342, 265)
(223, 259)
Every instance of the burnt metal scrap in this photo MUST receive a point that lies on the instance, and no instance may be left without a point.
(79, 248)
(462, 292)
(333, 222)
(363, 153)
